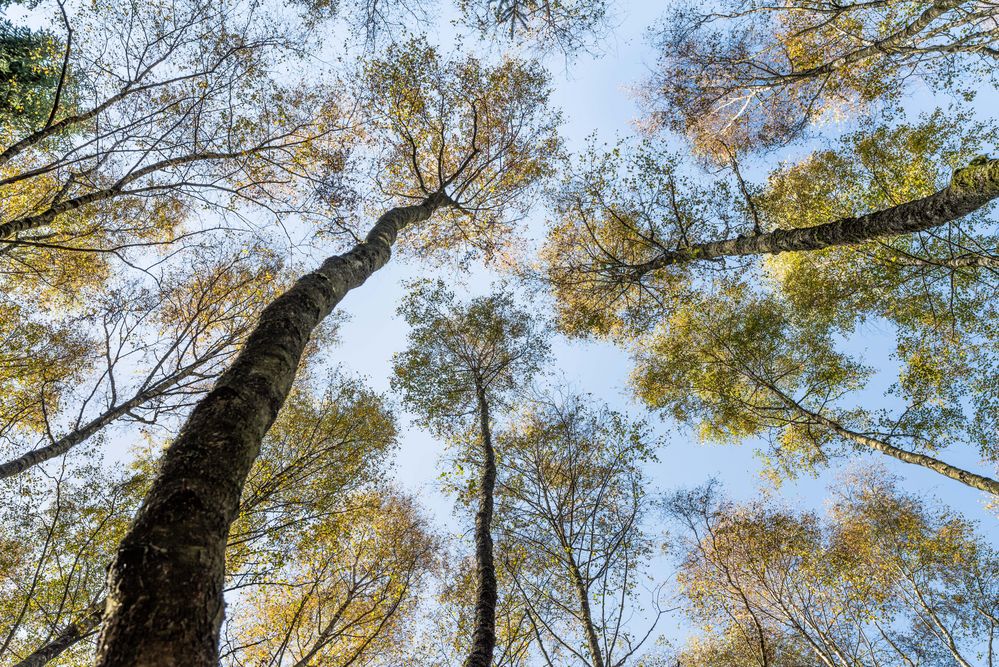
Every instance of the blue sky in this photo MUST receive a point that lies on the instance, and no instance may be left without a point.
(593, 93)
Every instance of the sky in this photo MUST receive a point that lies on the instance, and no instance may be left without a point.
(594, 93)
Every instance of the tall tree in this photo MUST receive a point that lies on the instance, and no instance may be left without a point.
(317, 479)
(625, 260)
(464, 361)
(471, 139)
(571, 503)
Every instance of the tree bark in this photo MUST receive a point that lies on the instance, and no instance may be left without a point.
(882, 46)
(70, 440)
(165, 602)
(583, 595)
(70, 635)
(971, 479)
(484, 634)
(970, 189)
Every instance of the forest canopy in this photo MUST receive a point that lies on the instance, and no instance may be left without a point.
(499, 333)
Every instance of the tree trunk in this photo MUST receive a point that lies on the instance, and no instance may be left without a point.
(583, 595)
(971, 188)
(484, 634)
(165, 602)
(971, 479)
(69, 636)
(70, 440)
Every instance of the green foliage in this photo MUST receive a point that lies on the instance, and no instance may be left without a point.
(943, 312)
(737, 364)
(487, 345)
(30, 67)
(57, 535)
(615, 210)
(329, 442)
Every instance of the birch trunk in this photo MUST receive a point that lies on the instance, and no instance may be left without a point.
(971, 188)
(165, 584)
(484, 634)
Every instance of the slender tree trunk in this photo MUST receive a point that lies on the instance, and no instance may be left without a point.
(484, 634)
(971, 479)
(29, 222)
(67, 637)
(165, 603)
(971, 188)
(70, 440)
(583, 597)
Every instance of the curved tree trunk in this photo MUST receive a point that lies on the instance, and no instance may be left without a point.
(971, 188)
(484, 634)
(165, 603)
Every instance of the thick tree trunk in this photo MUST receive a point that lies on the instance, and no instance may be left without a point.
(70, 440)
(67, 637)
(165, 603)
(971, 188)
(484, 634)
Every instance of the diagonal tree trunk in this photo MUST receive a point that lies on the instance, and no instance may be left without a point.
(980, 482)
(67, 637)
(165, 603)
(971, 188)
(484, 634)
(72, 439)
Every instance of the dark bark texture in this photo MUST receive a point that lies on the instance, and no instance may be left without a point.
(165, 583)
(971, 188)
(484, 633)
(586, 614)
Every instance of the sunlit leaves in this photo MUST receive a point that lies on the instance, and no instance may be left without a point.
(887, 578)
(615, 210)
(482, 134)
(343, 595)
